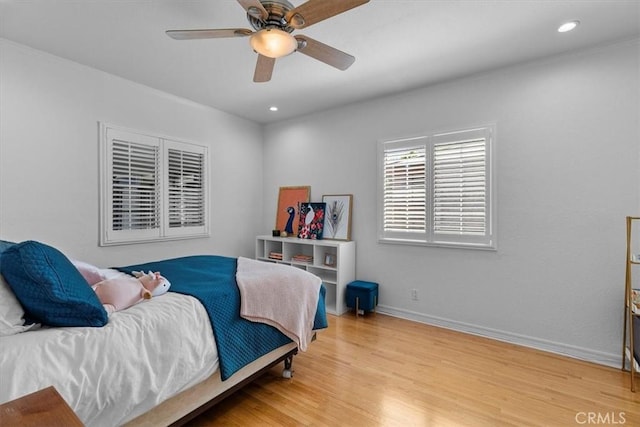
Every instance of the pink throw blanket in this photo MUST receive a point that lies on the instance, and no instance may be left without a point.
(282, 296)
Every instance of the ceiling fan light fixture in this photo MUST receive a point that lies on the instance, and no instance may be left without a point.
(273, 43)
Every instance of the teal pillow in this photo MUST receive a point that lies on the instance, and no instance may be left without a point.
(49, 287)
(4, 245)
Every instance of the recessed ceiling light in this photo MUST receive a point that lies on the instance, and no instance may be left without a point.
(273, 108)
(568, 26)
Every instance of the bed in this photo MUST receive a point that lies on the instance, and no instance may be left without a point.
(159, 362)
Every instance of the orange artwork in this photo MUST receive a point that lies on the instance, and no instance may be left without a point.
(288, 201)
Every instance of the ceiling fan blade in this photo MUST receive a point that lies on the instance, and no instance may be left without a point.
(254, 8)
(208, 34)
(325, 53)
(264, 69)
(314, 11)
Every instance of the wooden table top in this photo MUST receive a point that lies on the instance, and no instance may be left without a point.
(43, 408)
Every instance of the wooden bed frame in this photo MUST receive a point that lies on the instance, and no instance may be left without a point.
(193, 401)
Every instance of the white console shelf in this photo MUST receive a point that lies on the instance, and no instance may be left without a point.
(335, 277)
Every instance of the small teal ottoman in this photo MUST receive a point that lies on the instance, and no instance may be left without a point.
(362, 295)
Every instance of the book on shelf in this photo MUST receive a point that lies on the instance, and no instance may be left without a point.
(302, 258)
(275, 255)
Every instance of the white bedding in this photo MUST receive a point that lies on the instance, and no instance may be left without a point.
(109, 375)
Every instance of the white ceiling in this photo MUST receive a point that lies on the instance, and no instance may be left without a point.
(398, 45)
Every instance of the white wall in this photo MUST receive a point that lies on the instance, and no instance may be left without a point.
(568, 134)
(49, 113)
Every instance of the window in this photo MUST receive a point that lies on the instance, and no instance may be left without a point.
(404, 191)
(152, 188)
(437, 189)
(186, 187)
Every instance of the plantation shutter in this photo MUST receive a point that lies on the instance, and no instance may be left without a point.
(134, 186)
(130, 202)
(459, 187)
(404, 189)
(186, 189)
(135, 195)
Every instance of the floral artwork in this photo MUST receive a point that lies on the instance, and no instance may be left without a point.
(337, 223)
(311, 223)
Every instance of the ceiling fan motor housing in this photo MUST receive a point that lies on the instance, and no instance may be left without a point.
(277, 10)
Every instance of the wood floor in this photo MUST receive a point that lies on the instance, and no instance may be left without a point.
(384, 371)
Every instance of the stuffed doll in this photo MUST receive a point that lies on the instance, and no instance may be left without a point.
(161, 288)
(123, 291)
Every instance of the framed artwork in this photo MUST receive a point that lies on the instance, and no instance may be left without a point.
(311, 223)
(289, 198)
(329, 259)
(337, 222)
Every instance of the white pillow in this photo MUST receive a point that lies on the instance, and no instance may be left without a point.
(11, 312)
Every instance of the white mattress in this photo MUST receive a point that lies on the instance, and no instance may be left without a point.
(109, 375)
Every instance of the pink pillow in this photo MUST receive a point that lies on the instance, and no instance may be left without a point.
(91, 273)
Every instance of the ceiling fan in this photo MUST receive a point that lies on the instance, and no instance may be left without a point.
(273, 22)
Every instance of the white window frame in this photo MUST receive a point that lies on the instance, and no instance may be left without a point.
(162, 231)
(430, 235)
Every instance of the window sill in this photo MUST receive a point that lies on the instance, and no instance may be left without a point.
(449, 245)
(152, 240)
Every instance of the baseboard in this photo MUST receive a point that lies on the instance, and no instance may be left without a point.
(601, 358)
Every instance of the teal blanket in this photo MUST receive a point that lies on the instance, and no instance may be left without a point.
(212, 280)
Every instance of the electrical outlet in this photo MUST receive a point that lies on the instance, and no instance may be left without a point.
(414, 295)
